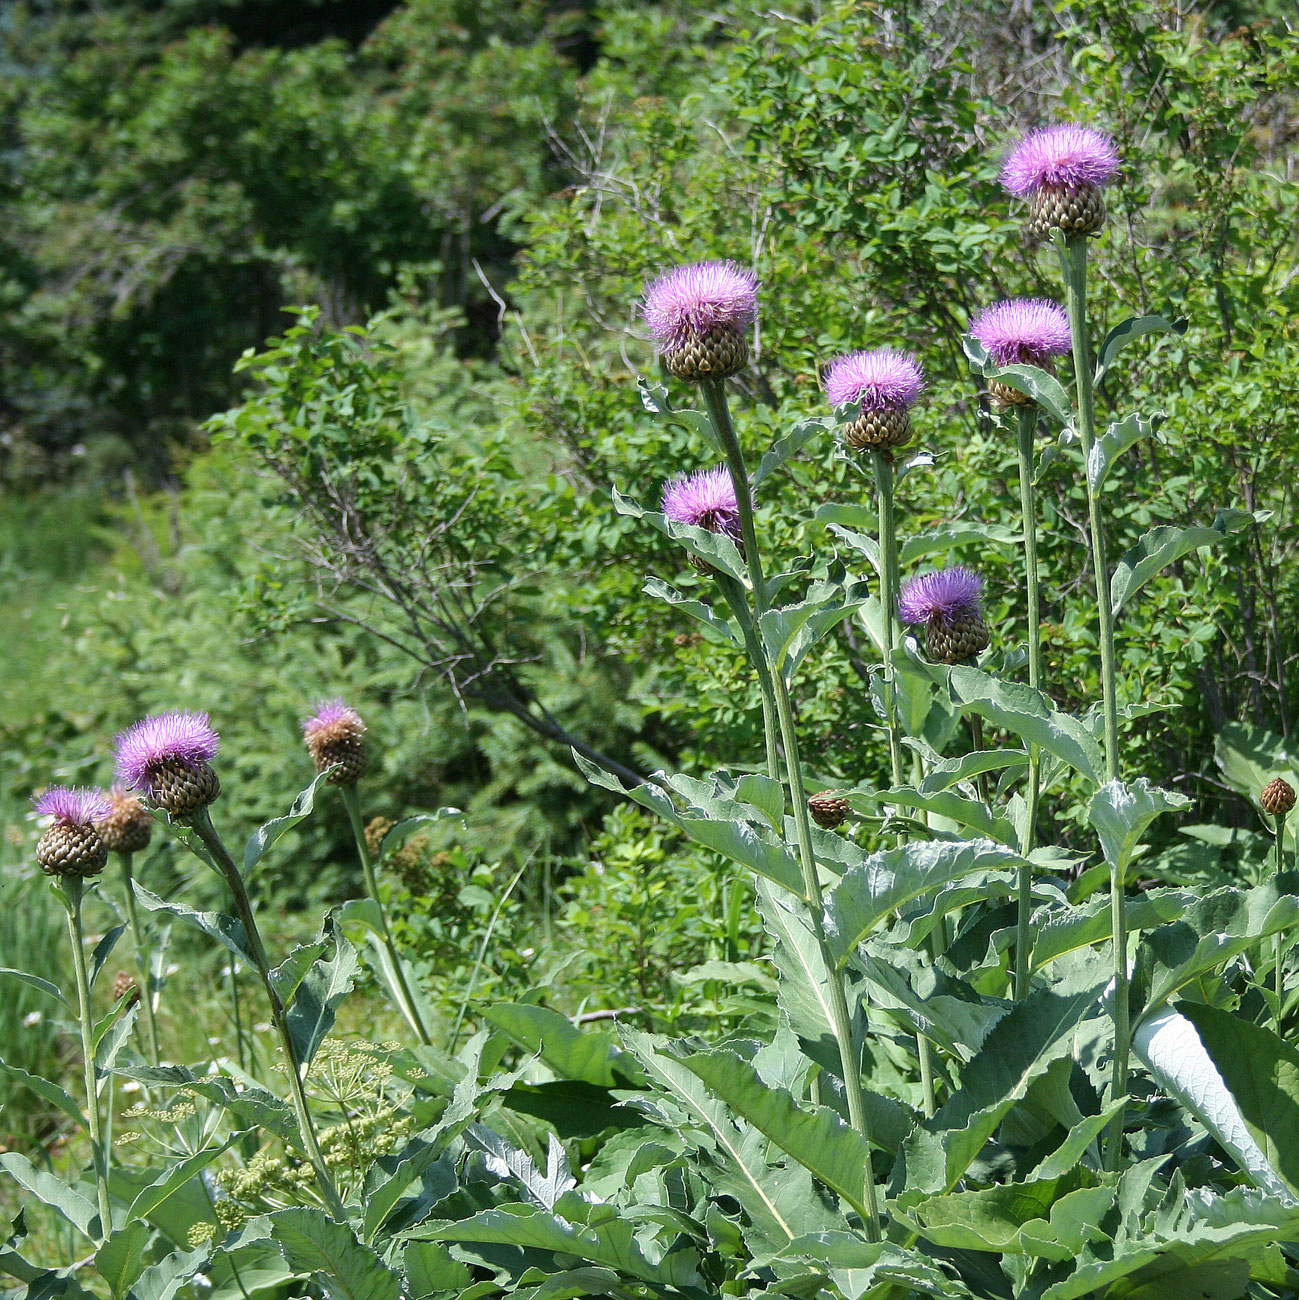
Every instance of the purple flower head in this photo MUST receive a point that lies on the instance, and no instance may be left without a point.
(691, 300)
(705, 499)
(941, 596)
(333, 717)
(1022, 330)
(1066, 155)
(75, 806)
(884, 380)
(175, 736)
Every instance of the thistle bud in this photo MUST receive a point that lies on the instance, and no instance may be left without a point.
(166, 756)
(124, 985)
(1061, 171)
(698, 316)
(335, 739)
(884, 383)
(72, 846)
(128, 826)
(1277, 797)
(829, 809)
(947, 604)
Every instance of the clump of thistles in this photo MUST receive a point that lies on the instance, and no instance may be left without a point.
(73, 845)
(1061, 170)
(883, 384)
(698, 316)
(1021, 331)
(948, 604)
(335, 739)
(705, 499)
(166, 756)
(128, 826)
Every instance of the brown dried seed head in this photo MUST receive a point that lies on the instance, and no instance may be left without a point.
(828, 809)
(128, 827)
(1278, 797)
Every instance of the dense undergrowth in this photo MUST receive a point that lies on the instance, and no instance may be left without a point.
(411, 502)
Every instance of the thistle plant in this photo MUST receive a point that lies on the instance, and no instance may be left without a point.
(72, 851)
(126, 831)
(698, 315)
(1032, 332)
(167, 757)
(881, 386)
(335, 739)
(1277, 800)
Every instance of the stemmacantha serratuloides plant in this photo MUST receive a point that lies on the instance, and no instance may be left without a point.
(993, 1068)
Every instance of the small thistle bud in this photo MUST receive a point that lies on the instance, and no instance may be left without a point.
(128, 826)
(1061, 171)
(698, 315)
(335, 738)
(167, 756)
(707, 500)
(1021, 331)
(72, 846)
(947, 603)
(828, 809)
(124, 985)
(884, 383)
(1277, 797)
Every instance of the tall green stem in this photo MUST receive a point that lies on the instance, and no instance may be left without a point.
(840, 1019)
(141, 961)
(73, 887)
(1074, 262)
(890, 580)
(408, 1006)
(1277, 974)
(203, 828)
(1028, 514)
(883, 466)
(720, 414)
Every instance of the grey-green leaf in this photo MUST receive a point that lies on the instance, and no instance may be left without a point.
(1111, 444)
(266, 834)
(1133, 328)
(1161, 546)
(120, 1260)
(313, 1243)
(1119, 813)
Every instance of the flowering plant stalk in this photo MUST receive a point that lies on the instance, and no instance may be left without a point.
(141, 960)
(698, 315)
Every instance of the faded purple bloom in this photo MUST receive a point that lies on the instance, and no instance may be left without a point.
(1023, 330)
(1069, 156)
(941, 597)
(332, 717)
(691, 300)
(705, 499)
(73, 806)
(175, 736)
(884, 380)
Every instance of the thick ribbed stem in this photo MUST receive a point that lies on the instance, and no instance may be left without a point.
(1028, 515)
(405, 998)
(1277, 974)
(1074, 262)
(719, 413)
(141, 961)
(840, 1020)
(73, 887)
(883, 466)
(203, 828)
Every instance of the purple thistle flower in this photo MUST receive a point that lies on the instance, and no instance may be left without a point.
(1067, 155)
(73, 806)
(705, 499)
(941, 597)
(1024, 330)
(173, 737)
(692, 300)
(333, 717)
(884, 380)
